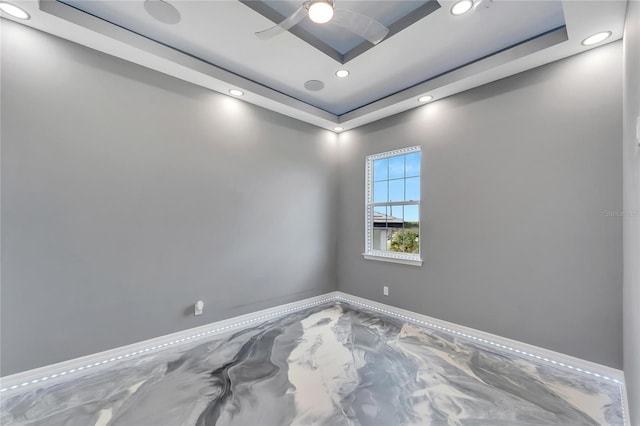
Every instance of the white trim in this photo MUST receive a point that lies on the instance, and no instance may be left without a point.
(106, 359)
(393, 259)
(393, 153)
(101, 360)
(625, 403)
(493, 341)
(383, 255)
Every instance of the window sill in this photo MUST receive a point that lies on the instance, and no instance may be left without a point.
(392, 259)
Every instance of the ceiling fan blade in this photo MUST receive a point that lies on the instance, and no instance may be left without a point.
(283, 26)
(362, 25)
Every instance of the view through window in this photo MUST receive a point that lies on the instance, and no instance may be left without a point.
(393, 204)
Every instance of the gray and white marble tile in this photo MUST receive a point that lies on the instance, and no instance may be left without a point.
(327, 365)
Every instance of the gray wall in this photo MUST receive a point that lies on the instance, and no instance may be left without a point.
(631, 154)
(517, 176)
(127, 195)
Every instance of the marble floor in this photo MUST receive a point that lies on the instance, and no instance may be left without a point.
(332, 364)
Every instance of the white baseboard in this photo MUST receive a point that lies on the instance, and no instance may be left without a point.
(61, 371)
(524, 350)
(20, 381)
(487, 339)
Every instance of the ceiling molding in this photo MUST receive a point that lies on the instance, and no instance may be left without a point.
(582, 18)
(451, 82)
(188, 67)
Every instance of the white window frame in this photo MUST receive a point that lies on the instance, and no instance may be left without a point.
(388, 256)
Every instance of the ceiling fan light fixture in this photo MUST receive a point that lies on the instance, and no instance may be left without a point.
(320, 11)
(461, 7)
(596, 38)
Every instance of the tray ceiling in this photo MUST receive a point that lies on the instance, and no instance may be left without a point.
(429, 50)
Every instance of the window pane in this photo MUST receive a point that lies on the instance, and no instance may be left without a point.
(396, 242)
(411, 216)
(396, 167)
(413, 189)
(396, 190)
(396, 216)
(394, 180)
(380, 192)
(380, 239)
(412, 240)
(380, 169)
(380, 214)
(380, 209)
(412, 164)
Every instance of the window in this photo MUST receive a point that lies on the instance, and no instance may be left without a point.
(393, 206)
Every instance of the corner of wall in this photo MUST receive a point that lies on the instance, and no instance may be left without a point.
(631, 208)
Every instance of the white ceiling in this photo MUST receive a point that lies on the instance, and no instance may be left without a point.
(214, 46)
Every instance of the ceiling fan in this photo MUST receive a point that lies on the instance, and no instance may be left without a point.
(323, 11)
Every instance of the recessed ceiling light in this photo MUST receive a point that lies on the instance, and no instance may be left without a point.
(13, 10)
(320, 11)
(342, 73)
(596, 38)
(461, 7)
(426, 98)
(338, 129)
(236, 92)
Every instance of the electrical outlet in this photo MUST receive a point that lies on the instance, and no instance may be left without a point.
(385, 290)
(198, 308)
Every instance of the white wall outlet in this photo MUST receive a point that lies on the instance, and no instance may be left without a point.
(198, 308)
(385, 290)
